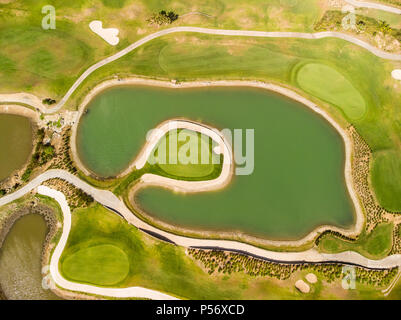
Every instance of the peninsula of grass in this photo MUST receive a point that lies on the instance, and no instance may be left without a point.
(375, 245)
(189, 157)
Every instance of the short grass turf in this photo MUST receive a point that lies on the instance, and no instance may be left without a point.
(205, 57)
(100, 265)
(193, 157)
(330, 85)
(162, 266)
(375, 245)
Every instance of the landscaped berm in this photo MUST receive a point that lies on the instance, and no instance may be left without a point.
(282, 179)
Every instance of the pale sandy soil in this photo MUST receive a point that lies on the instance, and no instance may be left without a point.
(21, 111)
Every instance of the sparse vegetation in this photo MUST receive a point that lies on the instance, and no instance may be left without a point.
(44, 152)
(48, 101)
(163, 18)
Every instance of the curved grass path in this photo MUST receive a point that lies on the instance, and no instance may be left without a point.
(35, 102)
(108, 199)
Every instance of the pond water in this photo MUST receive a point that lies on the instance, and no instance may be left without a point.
(298, 179)
(15, 143)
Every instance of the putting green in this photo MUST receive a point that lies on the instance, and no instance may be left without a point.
(101, 265)
(185, 153)
(331, 86)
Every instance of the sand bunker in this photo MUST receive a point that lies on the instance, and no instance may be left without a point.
(302, 286)
(396, 74)
(110, 34)
(311, 278)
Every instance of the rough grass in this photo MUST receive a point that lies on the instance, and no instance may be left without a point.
(375, 245)
(46, 62)
(99, 265)
(331, 86)
(161, 266)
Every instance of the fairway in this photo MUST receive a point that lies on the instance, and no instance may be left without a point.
(179, 154)
(15, 143)
(331, 86)
(101, 265)
(375, 245)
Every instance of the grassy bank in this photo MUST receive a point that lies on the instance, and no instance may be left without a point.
(374, 245)
(161, 266)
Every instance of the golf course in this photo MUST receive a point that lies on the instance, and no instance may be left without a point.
(285, 158)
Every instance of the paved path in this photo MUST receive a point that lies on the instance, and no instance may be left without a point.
(108, 199)
(29, 99)
(138, 292)
(371, 5)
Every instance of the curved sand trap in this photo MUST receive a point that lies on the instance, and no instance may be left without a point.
(311, 278)
(110, 34)
(396, 74)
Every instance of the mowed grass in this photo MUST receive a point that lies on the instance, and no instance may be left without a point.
(331, 86)
(100, 265)
(46, 62)
(375, 245)
(205, 57)
(162, 266)
(185, 154)
(386, 173)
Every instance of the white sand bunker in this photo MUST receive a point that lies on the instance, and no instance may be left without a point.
(311, 278)
(396, 74)
(110, 34)
(302, 286)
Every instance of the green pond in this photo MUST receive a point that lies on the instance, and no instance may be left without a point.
(298, 180)
(20, 260)
(15, 143)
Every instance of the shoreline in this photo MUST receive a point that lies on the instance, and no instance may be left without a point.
(359, 216)
(28, 208)
(108, 199)
(33, 118)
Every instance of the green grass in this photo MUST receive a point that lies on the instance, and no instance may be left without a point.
(100, 265)
(161, 266)
(185, 160)
(205, 57)
(331, 86)
(375, 245)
